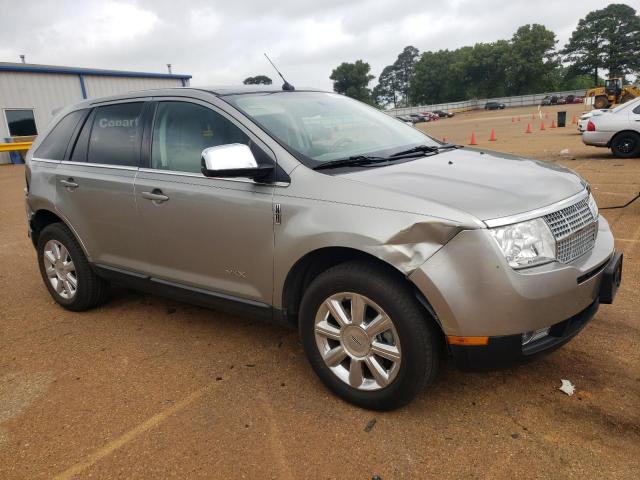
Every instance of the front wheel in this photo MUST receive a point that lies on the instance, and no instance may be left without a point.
(625, 145)
(367, 337)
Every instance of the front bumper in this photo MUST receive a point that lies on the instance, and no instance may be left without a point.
(474, 292)
(507, 350)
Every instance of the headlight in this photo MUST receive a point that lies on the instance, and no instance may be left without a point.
(593, 207)
(526, 244)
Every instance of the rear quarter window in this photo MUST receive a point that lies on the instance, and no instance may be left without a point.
(55, 144)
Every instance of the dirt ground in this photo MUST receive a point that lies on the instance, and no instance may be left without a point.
(144, 387)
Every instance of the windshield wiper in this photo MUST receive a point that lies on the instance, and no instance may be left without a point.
(357, 160)
(421, 149)
(351, 161)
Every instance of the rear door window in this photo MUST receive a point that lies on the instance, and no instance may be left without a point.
(115, 135)
(55, 145)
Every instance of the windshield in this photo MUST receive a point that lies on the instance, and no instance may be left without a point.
(319, 127)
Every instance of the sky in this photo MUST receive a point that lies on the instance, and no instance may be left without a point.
(222, 42)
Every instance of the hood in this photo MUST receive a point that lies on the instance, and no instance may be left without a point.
(484, 184)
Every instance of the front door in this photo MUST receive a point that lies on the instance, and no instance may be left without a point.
(209, 233)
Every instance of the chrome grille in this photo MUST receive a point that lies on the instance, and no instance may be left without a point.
(575, 229)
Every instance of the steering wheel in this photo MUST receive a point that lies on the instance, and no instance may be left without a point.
(342, 142)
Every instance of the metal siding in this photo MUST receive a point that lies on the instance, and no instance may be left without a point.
(41, 92)
(100, 86)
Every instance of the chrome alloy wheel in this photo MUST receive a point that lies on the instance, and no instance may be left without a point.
(60, 269)
(357, 341)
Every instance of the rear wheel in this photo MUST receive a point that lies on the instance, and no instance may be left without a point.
(601, 102)
(66, 271)
(367, 337)
(625, 145)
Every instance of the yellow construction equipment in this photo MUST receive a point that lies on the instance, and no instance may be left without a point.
(15, 147)
(611, 94)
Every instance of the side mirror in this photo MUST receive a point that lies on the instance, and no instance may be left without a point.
(233, 160)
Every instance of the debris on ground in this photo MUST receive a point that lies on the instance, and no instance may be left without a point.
(567, 387)
(564, 151)
(370, 425)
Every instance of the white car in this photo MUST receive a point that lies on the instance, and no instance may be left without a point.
(584, 119)
(618, 130)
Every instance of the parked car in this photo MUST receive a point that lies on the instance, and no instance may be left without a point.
(406, 119)
(561, 101)
(619, 130)
(418, 118)
(549, 100)
(224, 197)
(443, 114)
(584, 118)
(494, 106)
(577, 100)
(431, 116)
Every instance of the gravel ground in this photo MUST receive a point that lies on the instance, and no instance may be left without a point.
(145, 387)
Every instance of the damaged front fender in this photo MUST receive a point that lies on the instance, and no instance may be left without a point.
(400, 239)
(412, 246)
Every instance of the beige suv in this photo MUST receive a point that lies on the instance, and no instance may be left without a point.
(387, 249)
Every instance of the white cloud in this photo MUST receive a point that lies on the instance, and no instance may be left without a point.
(222, 42)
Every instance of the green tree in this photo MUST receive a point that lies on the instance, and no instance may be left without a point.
(258, 80)
(484, 69)
(437, 77)
(352, 80)
(531, 60)
(403, 68)
(387, 90)
(606, 39)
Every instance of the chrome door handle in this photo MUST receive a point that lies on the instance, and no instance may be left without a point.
(156, 196)
(69, 183)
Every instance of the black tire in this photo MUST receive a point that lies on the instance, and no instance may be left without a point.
(91, 289)
(420, 338)
(625, 145)
(601, 101)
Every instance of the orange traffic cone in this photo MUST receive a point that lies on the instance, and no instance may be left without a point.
(444, 139)
(513, 119)
(493, 137)
(528, 130)
(574, 120)
(553, 124)
(473, 139)
(542, 125)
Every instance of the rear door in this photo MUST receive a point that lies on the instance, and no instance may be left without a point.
(95, 184)
(210, 233)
